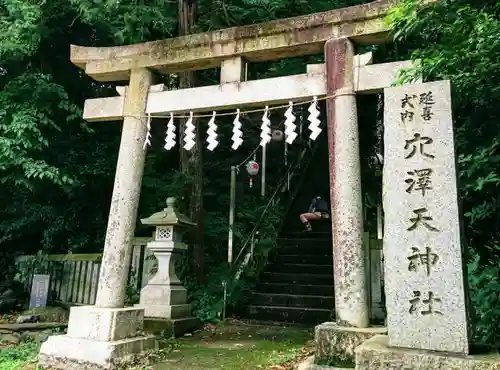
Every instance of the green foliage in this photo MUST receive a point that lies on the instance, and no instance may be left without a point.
(484, 287)
(29, 265)
(129, 21)
(12, 358)
(28, 103)
(19, 29)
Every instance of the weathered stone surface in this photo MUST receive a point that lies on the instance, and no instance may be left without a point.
(98, 338)
(22, 319)
(65, 353)
(424, 273)
(167, 311)
(32, 326)
(308, 364)
(284, 38)
(351, 293)
(375, 354)
(164, 296)
(105, 324)
(336, 343)
(49, 314)
(278, 90)
(126, 192)
(170, 328)
(11, 338)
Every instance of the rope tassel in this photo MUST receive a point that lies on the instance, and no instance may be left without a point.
(290, 127)
(147, 141)
(170, 137)
(265, 134)
(237, 133)
(313, 119)
(212, 133)
(189, 135)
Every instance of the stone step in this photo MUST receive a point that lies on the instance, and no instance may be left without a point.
(309, 247)
(295, 289)
(310, 259)
(295, 278)
(313, 316)
(292, 300)
(301, 268)
(323, 234)
(327, 242)
(168, 328)
(308, 364)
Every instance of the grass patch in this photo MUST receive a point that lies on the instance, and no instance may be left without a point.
(239, 347)
(19, 356)
(226, 346)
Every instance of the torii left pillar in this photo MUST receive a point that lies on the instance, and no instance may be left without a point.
(106, 335)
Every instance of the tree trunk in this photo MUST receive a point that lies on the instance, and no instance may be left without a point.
(191, 162)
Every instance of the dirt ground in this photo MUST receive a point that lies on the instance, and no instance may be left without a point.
(238, 346)
(231, 345)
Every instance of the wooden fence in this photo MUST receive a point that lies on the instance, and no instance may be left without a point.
(74, 277)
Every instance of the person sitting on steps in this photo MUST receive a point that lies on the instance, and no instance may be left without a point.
(318, 210)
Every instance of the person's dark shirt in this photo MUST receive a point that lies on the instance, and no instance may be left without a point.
(318, 205)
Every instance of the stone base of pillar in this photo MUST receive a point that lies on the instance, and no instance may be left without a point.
(168, 328)
(159, 311)
(308, 364)
(375, 354)
(97, 338)
(335, 344)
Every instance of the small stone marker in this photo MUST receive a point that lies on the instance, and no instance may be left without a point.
(39, 291)
(424, 273)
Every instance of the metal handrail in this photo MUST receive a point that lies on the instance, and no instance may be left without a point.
(251, 238)
(257, 224)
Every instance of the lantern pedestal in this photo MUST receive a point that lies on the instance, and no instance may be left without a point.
(164, 298)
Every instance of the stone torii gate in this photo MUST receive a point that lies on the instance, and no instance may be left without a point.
(103, 335)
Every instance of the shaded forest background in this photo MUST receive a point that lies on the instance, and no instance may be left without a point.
(56, 171)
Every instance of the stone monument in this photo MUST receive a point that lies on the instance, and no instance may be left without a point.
(164, 299)
(426, 290)
(39, 291)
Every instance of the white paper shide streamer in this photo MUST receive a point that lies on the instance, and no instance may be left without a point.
(237, 133)
(170, 137)
(290, 133)
(212, 133)
(189, 135)
(265, 128)
(313, 119)
(147, 141)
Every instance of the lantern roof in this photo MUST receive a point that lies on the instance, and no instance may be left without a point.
(169, 216)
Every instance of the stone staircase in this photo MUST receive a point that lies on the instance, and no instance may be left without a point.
(297, 285)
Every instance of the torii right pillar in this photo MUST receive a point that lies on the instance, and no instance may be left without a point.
(351, 328)
(351, 296)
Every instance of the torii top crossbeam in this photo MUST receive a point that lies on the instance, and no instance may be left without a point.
(284, 38)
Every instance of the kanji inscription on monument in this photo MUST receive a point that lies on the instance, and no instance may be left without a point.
(39, 291)
(424, 273)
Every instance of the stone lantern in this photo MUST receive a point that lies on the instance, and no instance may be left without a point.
(164, 299)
